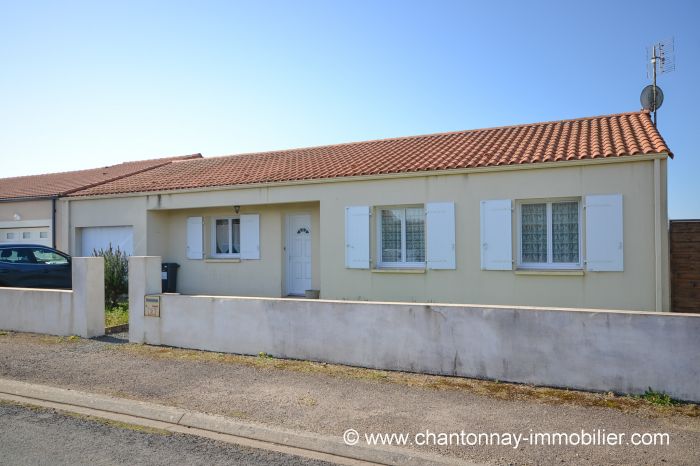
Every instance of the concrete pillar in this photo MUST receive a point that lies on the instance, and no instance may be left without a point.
(144, 279)
(88, 296)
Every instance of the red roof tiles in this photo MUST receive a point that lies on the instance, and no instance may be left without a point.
(626, 134)
(60, 184)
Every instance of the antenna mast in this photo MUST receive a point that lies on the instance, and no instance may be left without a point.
(661, 60)
(653, 65)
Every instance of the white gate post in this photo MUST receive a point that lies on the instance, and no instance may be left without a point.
(88, 296)
(144, 279)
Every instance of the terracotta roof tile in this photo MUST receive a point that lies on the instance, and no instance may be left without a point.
(60, 184)
(625, 134)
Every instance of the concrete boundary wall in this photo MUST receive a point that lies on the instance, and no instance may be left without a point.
(621, 351)
(59, 312)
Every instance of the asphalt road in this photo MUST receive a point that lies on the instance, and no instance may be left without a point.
(39, 436)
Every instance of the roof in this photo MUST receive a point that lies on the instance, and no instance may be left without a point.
(61, 184)
(609, 136)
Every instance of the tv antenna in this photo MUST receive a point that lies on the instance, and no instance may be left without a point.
(661, 60)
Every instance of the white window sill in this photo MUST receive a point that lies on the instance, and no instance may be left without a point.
(222, 260)
(398, 270)
(573, 273)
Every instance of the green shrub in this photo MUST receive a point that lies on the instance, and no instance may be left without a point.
(116, 274)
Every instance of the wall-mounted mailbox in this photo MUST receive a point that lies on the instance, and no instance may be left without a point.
(151, 306)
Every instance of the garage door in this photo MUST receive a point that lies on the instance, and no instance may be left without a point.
(33, 235)
(96, 238)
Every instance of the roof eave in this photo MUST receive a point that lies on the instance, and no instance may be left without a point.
(415, 174)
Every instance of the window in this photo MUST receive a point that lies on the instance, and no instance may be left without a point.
(46, 256)
(10, 236)
(550, 234)
(401, 237)
(226, 237)
(17, 256)
(43, 234)
(26, 235)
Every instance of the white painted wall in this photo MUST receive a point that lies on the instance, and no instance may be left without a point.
(622, 351)
(59, 312)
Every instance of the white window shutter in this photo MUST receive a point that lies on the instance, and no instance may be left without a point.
(440, 227)
(604, 248)
(496, 235)
(195, 238)
(250, 236)
(357, 237)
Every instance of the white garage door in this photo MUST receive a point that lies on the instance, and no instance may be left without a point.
(96, 238)
(33, 235)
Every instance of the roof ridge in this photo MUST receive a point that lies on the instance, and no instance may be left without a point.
(418, 136)
(116, 178)
(166, 160)
(587, 138)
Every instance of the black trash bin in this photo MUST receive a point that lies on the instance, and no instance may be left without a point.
(169, 277)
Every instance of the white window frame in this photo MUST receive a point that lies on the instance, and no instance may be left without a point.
(550, 264)
(213, 252)
(399, 265)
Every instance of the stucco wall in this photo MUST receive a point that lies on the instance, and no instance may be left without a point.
(32, 214)
(59, 312)
(263, 277)
(27, 210)
(108, 213)
(625, 352)
(632, 289)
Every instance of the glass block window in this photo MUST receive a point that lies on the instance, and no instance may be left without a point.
(565, 232)
(391, 233)
(401, 237)
(534, 233)
(550, 234)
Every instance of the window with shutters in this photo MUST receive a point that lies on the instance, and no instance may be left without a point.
(226, 237)
(401, 237)
(549, 234)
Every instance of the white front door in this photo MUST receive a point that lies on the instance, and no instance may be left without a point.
(298, 253)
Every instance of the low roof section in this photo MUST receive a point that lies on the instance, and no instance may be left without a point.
(61, 184)
(601, 137)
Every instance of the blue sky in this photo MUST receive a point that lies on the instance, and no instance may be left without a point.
(85, 84)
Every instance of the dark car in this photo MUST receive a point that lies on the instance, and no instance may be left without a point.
(34, 266)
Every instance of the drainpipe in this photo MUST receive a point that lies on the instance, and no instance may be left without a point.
(53, 222)
(657, 235)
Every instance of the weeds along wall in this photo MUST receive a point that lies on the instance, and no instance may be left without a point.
(620, 351)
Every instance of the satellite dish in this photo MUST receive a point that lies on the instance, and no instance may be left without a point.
(647, 98)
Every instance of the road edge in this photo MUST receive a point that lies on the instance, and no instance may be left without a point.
(169, 418)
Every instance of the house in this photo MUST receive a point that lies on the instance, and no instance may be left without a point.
(28, 204)
(566, 213)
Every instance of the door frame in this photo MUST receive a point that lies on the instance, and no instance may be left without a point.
(287, 238)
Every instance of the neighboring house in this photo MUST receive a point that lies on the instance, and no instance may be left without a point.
(30, 213)
(567, 213)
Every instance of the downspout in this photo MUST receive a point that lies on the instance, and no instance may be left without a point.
(657, 236)
(53, 222)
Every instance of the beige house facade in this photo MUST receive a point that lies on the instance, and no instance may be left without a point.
(182, 227)
(569, 213)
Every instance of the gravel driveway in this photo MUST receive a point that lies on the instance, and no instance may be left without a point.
(330, 399)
